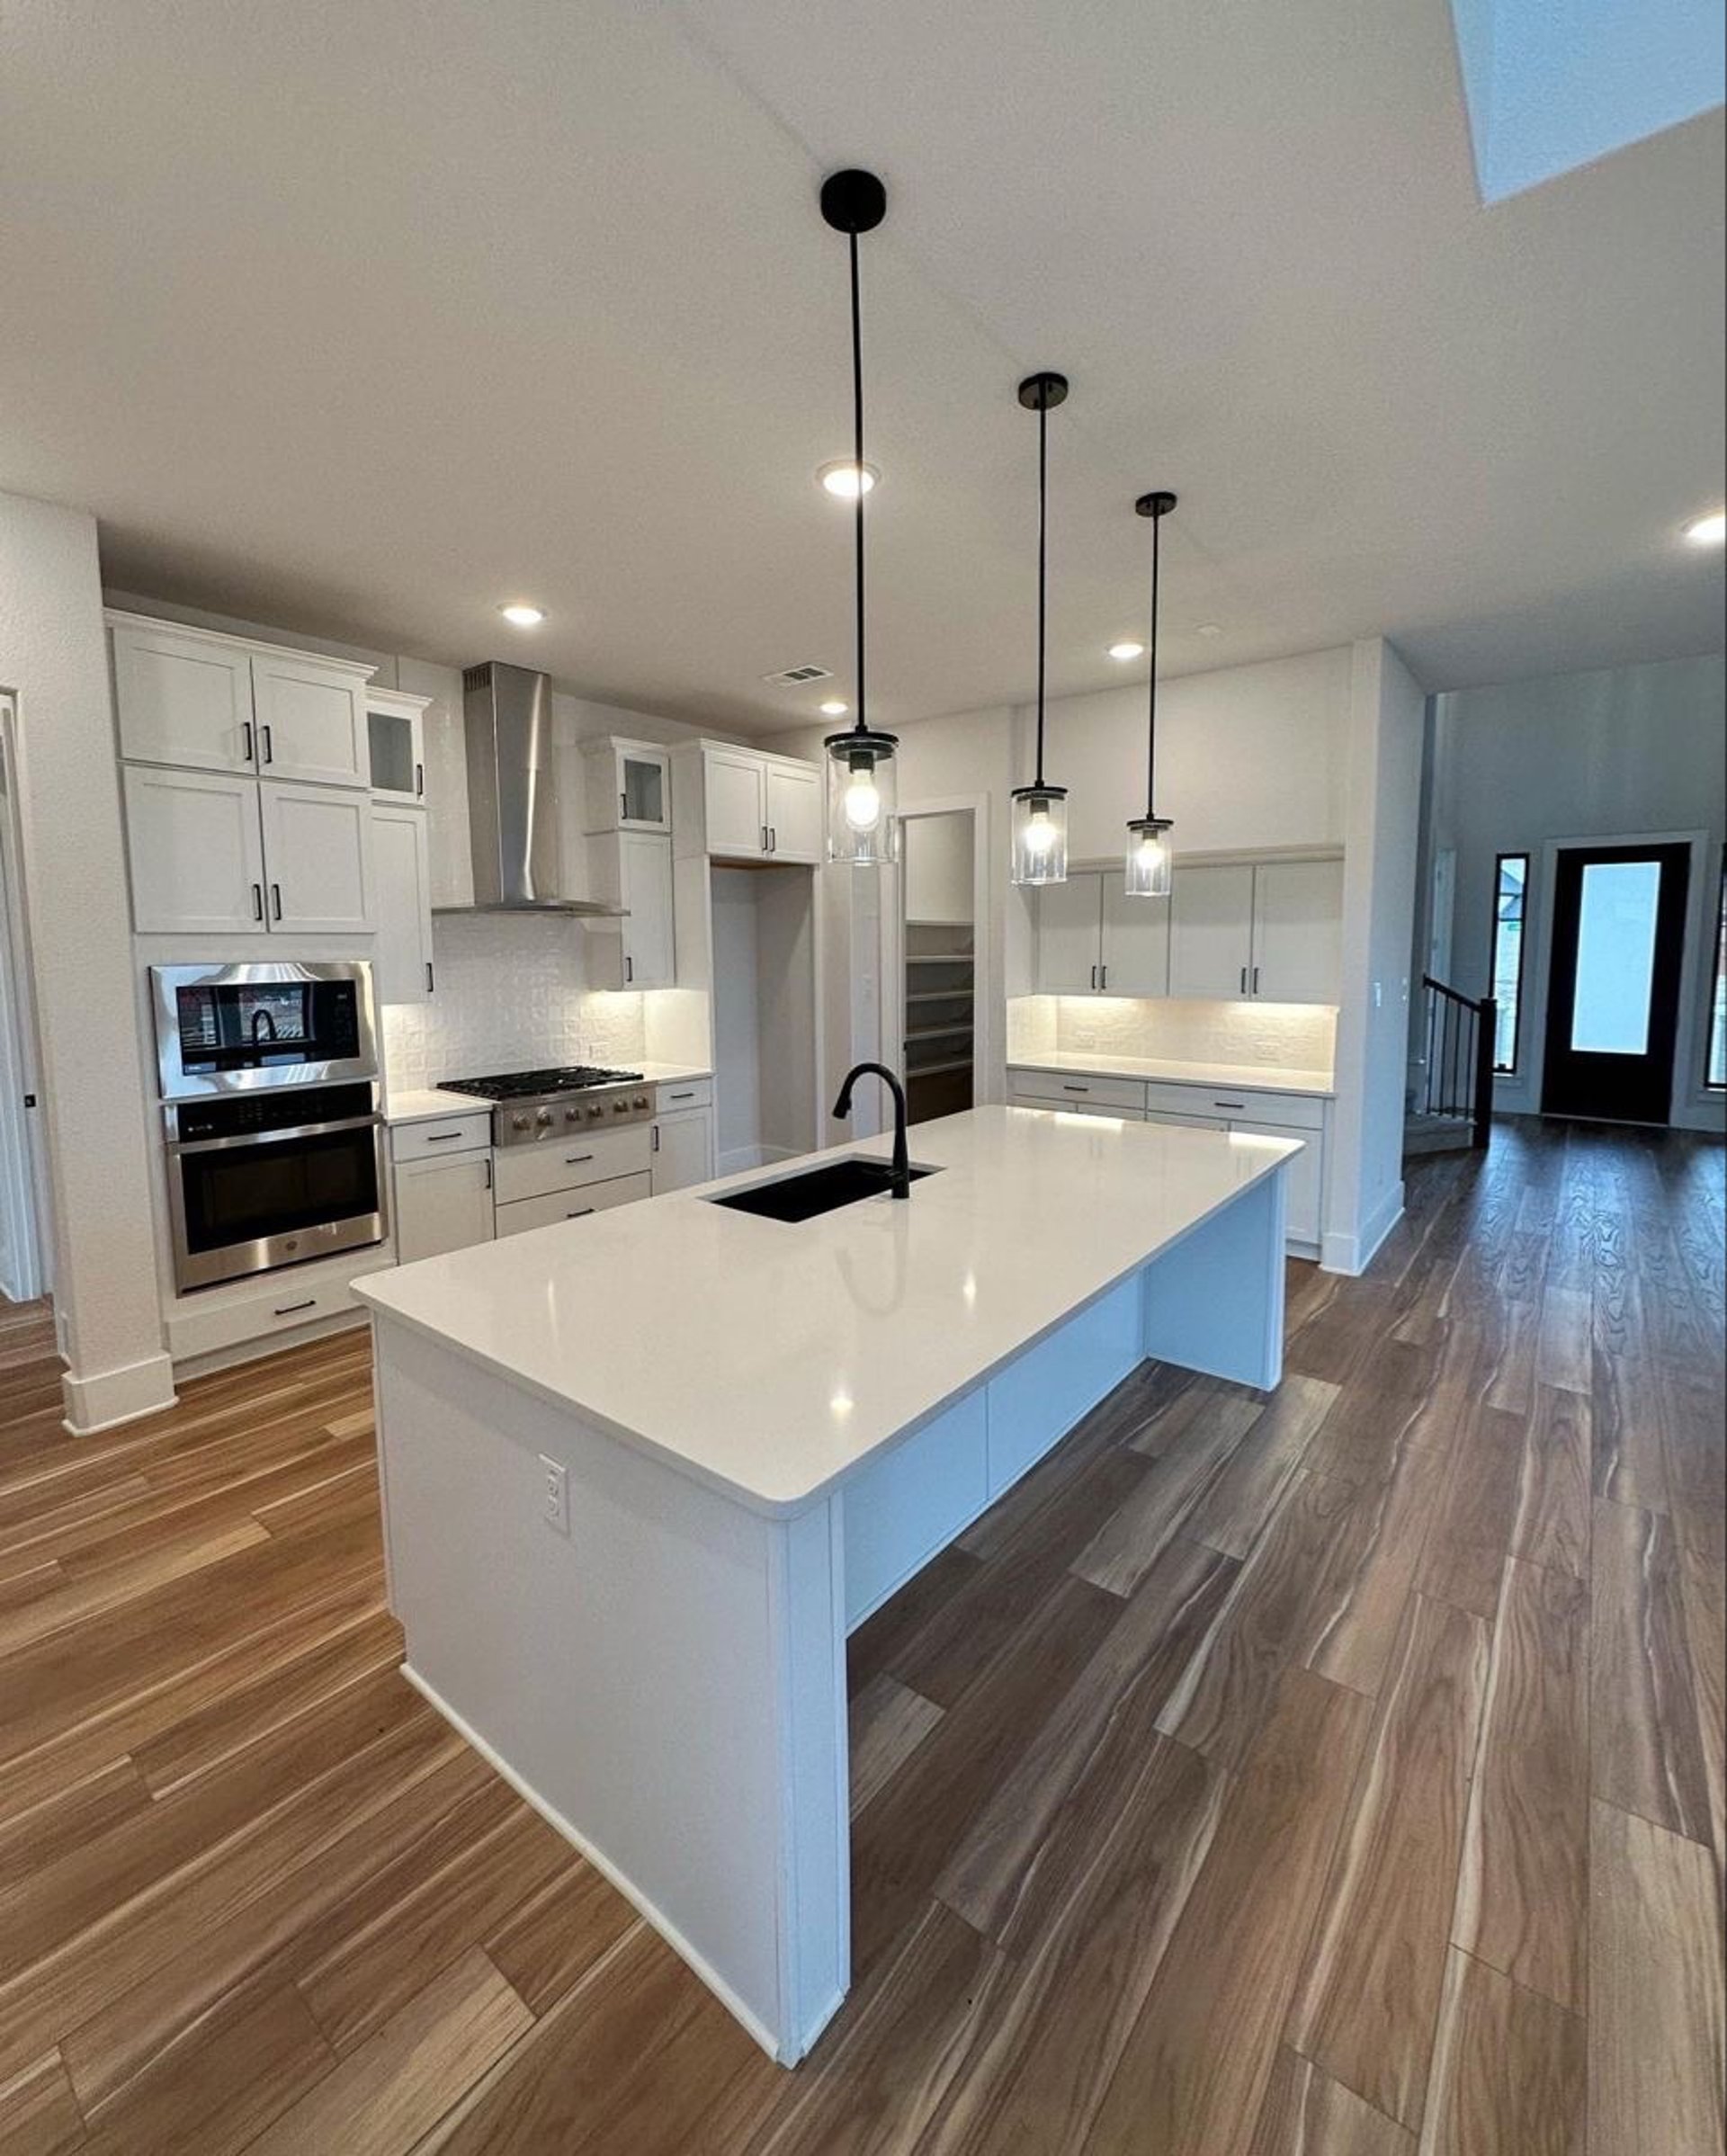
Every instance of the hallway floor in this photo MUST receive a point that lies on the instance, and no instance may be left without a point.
(1337, 1774)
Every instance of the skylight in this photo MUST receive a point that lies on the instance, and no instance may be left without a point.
(1552, 84)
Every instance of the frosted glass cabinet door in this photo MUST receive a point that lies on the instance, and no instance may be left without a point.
(1070, 936)
(1211, 933)
(396, 747)
(1136, 942)
(1298, 931)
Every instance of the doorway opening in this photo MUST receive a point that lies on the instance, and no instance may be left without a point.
(939, 966)
(23, 1198)
(1613, 984)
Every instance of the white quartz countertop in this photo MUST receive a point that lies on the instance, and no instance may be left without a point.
(769, 1360)
(1258, 1077)
(427, 1104)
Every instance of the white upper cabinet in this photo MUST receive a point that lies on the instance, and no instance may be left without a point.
(793, 808)
(1298, 932)
(182, 699)
(208, 702)
(318, 860)
(1210, 931)
(196, 853)
(628, 786)
(396, 745)
(1134, 955)
(645, 892)
(1094, 940)
(312, 720)
(1271, 930)
(401, 957)
(761, 808)
(1070, 936)
(736, 797)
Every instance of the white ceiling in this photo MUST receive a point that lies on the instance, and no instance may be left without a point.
(362, 320)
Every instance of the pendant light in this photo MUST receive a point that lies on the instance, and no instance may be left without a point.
(862, 826)
(1040, 816)
(1149, 871)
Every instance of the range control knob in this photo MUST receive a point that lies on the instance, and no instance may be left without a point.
(594, 1112)
(640, 1103)
(518, 1122)
(544, 1119)
(572, 1115)
(619, 1107)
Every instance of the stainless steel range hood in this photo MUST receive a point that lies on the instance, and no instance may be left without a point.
(512, 796)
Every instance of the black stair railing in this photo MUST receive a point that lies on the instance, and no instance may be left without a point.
(1460, 1032)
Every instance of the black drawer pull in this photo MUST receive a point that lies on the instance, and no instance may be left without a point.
(1076, 1088)
(1229, 1104)
(576, 1159)
(287, 1309)
(579, 1215)
(442, 1137)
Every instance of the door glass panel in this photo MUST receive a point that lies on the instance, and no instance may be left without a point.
(644, 790)
(391, 741)
(1616, 957)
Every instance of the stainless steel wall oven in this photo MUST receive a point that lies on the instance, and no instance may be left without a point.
(270, 1163)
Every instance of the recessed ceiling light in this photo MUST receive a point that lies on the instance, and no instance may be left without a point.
(834, 707)
(840, 477)
(522, 616)
(1127, 649)
(1210, 629)
(1708, 530)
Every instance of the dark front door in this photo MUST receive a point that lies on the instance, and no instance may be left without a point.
(1613, 993)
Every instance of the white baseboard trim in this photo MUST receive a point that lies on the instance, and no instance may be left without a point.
(104, 1398)
(1353, 1254)
(632, 1893)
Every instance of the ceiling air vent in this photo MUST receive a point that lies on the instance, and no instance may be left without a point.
(795, 677)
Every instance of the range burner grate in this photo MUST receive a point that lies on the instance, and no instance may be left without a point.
(519, 1085)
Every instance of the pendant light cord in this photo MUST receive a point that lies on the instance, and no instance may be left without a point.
(1042, 557)
(1152, 725)
(857, 455)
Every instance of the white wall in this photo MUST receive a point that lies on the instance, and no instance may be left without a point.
(1387, 714)
(936, 859)
(53, 653)
(1635, 752)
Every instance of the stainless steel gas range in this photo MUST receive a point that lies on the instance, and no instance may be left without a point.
(532, 1106)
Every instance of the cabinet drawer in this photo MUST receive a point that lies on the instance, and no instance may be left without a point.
(1194, 1123)
(443, 1135)
(518, 1218)
(1065, 1088)
(1302, 1111)
(686, 1093)
(282, 1308)
(535, 1171)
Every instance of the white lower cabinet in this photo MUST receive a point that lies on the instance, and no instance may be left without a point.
(573, 1204)
(401, 956)
(1304, 1179)
(683, 1153)
(442, 1203)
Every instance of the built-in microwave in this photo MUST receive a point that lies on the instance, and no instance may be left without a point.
(241, 1027)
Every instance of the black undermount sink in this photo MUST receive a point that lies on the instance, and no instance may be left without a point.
(816, 1191)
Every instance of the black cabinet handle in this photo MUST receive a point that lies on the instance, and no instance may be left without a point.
(419, 781)
(1229, 1104)
(257, 902)
(268, 746)
(628, 967)
(1103, 977)
(773, 838)
(246, 727)
(287, 1309)
(1076, 1088)
(488, 1171)
(431, 980)
(580, 1215)
(442, 1137)
(1256, 980)
(623, 808)
(1244, 980)
(576, 1159)
(655, 1146)
(275, 899)
(689, 1095)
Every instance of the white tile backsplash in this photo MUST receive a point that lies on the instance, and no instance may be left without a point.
(512, 994)
(1290, 1036)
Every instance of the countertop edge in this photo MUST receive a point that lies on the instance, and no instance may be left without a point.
(1237, 1075)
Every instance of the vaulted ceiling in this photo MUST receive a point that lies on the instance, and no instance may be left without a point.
(365, 319)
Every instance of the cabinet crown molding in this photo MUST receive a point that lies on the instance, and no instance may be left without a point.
(117, 617)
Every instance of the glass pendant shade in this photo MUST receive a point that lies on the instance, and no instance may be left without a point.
(862, 784)
(1150, 868)
(1040, 835)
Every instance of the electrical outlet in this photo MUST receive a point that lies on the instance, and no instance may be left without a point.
(555, 1500)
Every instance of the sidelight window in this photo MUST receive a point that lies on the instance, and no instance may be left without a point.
(1510, 890)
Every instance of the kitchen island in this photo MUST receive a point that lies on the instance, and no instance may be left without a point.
(642, 1474)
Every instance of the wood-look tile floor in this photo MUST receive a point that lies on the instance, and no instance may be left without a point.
(1339, 1773)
